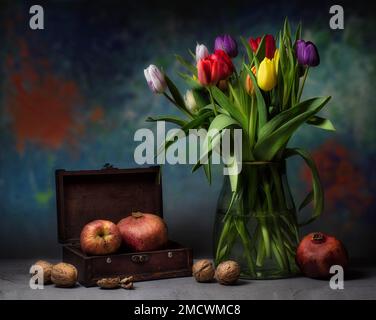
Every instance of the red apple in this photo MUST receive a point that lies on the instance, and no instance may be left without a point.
(100, 237)
(143, 231)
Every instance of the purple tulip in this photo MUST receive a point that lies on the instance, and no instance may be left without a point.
(307, 53)
(227, 44)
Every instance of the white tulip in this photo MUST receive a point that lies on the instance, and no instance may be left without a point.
(155, 79)
(201, 52)
(190, 101)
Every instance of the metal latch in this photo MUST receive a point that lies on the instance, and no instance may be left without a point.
(140, 258)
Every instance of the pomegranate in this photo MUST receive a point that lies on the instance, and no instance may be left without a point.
(317, 252)
(143, 231)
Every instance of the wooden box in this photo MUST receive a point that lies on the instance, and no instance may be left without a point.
(112, 194)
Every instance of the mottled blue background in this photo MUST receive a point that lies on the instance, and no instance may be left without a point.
(73, 94)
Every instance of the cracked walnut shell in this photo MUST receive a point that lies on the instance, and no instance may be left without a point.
(203, 271)
(109, 283)
(127, 283)
(227, 272)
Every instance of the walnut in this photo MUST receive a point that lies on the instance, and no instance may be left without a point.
(203, 271)
(227, 272)
(109, 283)
(64, 275)
(47, 267)
(127, 283)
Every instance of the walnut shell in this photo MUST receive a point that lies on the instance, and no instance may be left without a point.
(109, 283)
(227, 272)
(203, 271)
(127, 283)
(47, 267)
(128, 286)
(64, 275)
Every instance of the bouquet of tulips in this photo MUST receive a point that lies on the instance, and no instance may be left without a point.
(261, 96)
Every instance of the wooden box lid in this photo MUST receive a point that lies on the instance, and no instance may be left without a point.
(109, 193)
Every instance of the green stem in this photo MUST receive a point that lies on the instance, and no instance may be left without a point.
(264, 230)
(221, 242)
(252, 124)
(260, 248)
(284, 212)
(212, 101)
(245, 238)
(302, 86)
(279, 243)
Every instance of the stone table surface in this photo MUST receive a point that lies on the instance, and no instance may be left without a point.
(360, 284)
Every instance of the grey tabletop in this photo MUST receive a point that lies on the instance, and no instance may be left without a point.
(360, 284)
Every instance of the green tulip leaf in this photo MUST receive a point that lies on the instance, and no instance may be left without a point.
(279, 130)
(186, 64)
(207, 170)
(298, 33)
(195, 123)
(307, 200)
(321, 123)
(248, 49)
(171, 119)
(225, 103)
(176, 95)
(219, 123)
(192, 83)
(317, 193)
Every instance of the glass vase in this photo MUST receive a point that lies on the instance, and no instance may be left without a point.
(256, 225)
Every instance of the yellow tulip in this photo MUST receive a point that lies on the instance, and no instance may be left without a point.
(276, 60)
(266, 75)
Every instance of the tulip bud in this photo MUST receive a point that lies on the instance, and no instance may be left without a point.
(201, 52)
(249, 87)
(227, 44)
(190, 101)
(155, 79)
(266, 75)
(307, 53)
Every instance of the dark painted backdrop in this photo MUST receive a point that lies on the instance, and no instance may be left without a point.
(73, 95)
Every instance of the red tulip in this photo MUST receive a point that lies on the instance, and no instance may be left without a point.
(226, 67)
(207, 71)
(269, 45)
(254, 43)
(216, 67)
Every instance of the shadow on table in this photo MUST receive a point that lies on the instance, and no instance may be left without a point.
(356, 274)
